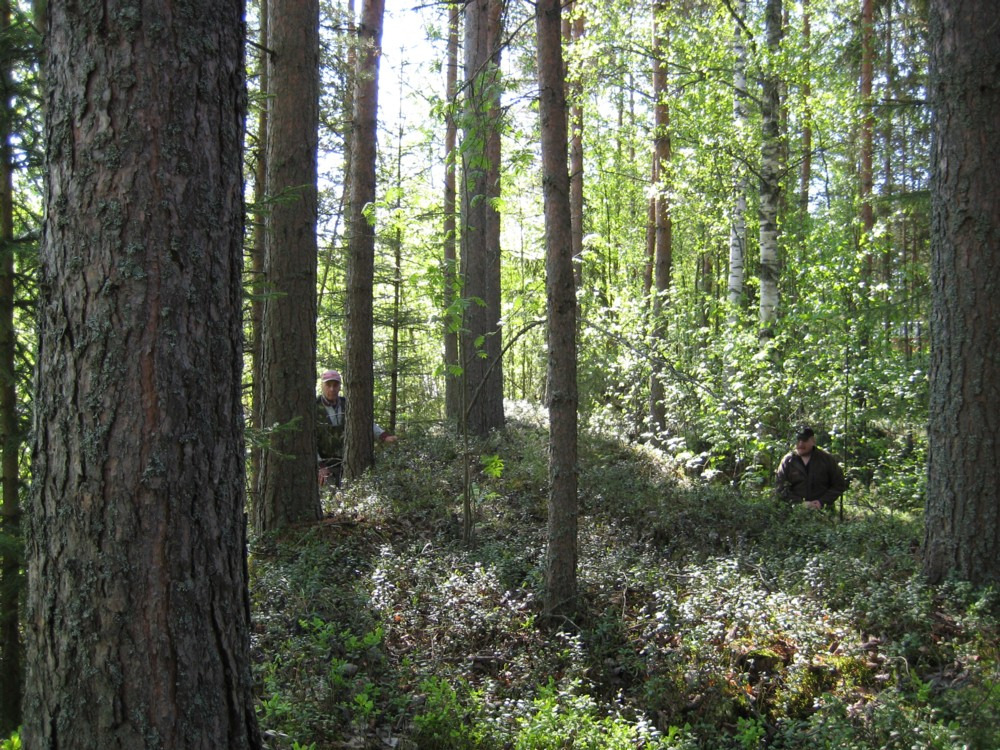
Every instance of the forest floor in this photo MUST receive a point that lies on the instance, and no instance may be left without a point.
(708, 618)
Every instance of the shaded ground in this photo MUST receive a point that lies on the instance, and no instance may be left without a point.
(707, 618)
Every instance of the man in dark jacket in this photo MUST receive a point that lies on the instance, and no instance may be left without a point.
(809, 475)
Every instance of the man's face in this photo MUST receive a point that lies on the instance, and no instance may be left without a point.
(331, 389)
(804, 447)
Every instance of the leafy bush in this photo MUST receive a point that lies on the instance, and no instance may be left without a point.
(440, 720)
(559, 718)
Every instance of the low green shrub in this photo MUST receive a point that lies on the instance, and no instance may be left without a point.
(708, 618)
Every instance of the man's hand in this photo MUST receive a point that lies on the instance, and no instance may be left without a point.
(814, 504)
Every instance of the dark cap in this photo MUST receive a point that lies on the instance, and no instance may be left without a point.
(803, 432)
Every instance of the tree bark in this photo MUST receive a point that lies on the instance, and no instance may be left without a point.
(738, 227)
(287, 489)
(650, 243)
(481, 333)
(867, 125)
(663, 223)
(138, 609)
(770, 171)
(805, 169)
(257, 250)
(452, 362)
(10, 432)
(573, 25)
(561, 555)
(358, 438)
(962, 522)
(397, 278)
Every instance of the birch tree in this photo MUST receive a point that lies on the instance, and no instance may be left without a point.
(738, 228)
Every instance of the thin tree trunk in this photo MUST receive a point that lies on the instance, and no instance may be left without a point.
(770, 181)
(481, 340)
(663, 223)
(358, 438)
(738, 228)
(889, 181)
(287, 488)
(650, 245)
(573, 29)
(962, 527)
(561, 556)
(10, 434)
(867, 216)
(867, 123)
(257, 251)
(805, 170)
(452, 363)
(138, 616)
(397, 275)
(397, 312)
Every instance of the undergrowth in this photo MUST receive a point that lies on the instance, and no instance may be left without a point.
(707, 618)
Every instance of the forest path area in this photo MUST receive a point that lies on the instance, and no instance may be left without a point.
(707, 618)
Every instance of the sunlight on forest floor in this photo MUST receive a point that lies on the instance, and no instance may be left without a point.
(707, 618)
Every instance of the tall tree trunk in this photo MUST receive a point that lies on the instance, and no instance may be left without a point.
(664, 226)
(138, 608)
(287, 490)
(650, 244)
(805, 169)
(257, 251)
(452, 363)
(10, 433)
(863, 313)
(348, 108)
(867, 125)
(397, 322)
(573, 29)
(481, 334)
(962, 525)
(397, 270)
(705, 284)
(770, 170)
(358, 438)
(738, 228)
(561, 556)
(889, 252)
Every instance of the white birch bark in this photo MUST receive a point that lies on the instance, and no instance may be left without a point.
(738, 228)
